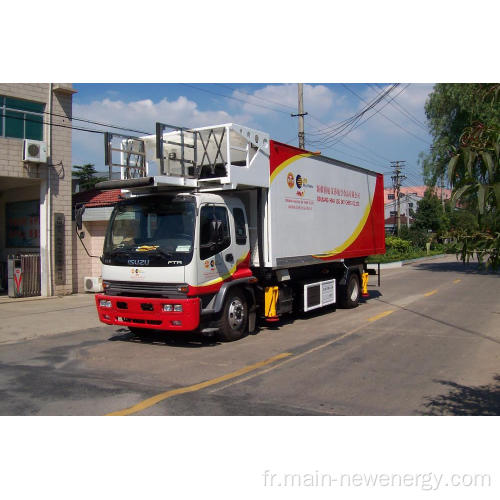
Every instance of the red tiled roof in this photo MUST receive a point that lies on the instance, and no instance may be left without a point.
(394, 220)
(97, 198)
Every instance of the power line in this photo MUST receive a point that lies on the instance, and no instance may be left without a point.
(53, 124)
(333, 137)
(330, 132)
(256, 97)
(407, 113)
(234, 98)
(386, 117)
(109, 125)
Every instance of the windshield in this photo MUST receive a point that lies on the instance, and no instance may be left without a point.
(154, 228)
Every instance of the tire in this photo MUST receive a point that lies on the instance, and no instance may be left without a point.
(233, 322)
(350, 293)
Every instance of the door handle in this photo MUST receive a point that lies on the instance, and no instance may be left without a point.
(229, 257)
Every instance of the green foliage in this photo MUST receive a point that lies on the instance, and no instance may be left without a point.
(474, 173)
(485, 246)
(462, 220)
(429, 213)
(397, 244)
(87, 176)
(417, 237)
(450, 109)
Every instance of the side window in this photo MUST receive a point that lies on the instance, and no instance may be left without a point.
(239, 224)
(208, 214)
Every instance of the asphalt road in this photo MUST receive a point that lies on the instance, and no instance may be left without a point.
(426, 343)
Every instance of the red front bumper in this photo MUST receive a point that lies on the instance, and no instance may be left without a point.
(148, 313)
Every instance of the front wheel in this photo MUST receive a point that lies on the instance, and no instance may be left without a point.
(349, 294)
(234, 318)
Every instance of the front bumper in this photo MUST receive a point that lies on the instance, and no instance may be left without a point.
(142, 312)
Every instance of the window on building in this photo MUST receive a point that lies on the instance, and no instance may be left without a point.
(410, 205)
(21, 119)
(390, 196)
(393, 213)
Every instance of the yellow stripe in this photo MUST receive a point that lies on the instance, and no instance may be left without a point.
(228, 274)
(457, 281)
(353, 236)
(381, 315)
(196, 387)
(428, 294)
(285, 164)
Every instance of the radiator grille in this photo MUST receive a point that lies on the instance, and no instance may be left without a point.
(132, 289)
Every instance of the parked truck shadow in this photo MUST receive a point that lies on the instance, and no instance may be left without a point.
(465, 400)
(168, 339)
(196, 340)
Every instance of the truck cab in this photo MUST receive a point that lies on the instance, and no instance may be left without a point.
(166, 258)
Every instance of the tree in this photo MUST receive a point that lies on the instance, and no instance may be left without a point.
(429, 215)
(87, 176)
(450, 108)
(474, 173)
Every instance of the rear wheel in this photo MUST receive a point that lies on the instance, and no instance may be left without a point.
(349, 294)
(234, 318)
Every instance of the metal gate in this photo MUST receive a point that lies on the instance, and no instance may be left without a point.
(24, 275)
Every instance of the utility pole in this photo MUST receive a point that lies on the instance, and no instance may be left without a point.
(301, 115)
(397, 179)
(442, 187)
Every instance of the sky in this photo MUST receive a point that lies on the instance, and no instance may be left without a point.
(395, 129)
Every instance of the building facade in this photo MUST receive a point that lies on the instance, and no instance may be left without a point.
(98, 208)
(35, 197)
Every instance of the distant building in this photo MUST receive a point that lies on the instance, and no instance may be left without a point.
(417, 191)
(409, 198)
(98, 208)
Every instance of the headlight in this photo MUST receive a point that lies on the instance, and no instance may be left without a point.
(168, 307)
(105, 303)
(178, 308)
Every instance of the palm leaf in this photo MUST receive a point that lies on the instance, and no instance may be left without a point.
(451, 168)
(459, 193)
(488, 160)
(482, 191)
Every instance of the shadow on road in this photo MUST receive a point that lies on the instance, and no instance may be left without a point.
(196, 340)
(466, 400)
(456, 267)
(169, 339)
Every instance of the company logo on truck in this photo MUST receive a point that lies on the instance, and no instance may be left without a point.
(300, 182)
(290, 180)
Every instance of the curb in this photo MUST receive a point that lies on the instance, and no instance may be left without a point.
(401, 263)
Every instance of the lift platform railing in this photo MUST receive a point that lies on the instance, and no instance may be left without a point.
(132, 155)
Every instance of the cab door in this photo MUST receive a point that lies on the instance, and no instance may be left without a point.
(215, 262)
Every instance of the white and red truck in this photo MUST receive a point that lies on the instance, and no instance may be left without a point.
(222, 225)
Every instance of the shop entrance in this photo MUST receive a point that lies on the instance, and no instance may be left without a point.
(20, 229)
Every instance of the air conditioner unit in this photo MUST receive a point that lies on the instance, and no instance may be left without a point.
(35, 151)
(92, 284)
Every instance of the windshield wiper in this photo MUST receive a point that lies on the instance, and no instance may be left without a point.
(161, 252)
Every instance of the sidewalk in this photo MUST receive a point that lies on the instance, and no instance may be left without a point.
(31, 317)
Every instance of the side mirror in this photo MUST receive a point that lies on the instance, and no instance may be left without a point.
(79, 216)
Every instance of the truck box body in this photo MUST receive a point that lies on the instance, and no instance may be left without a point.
(318, 209)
